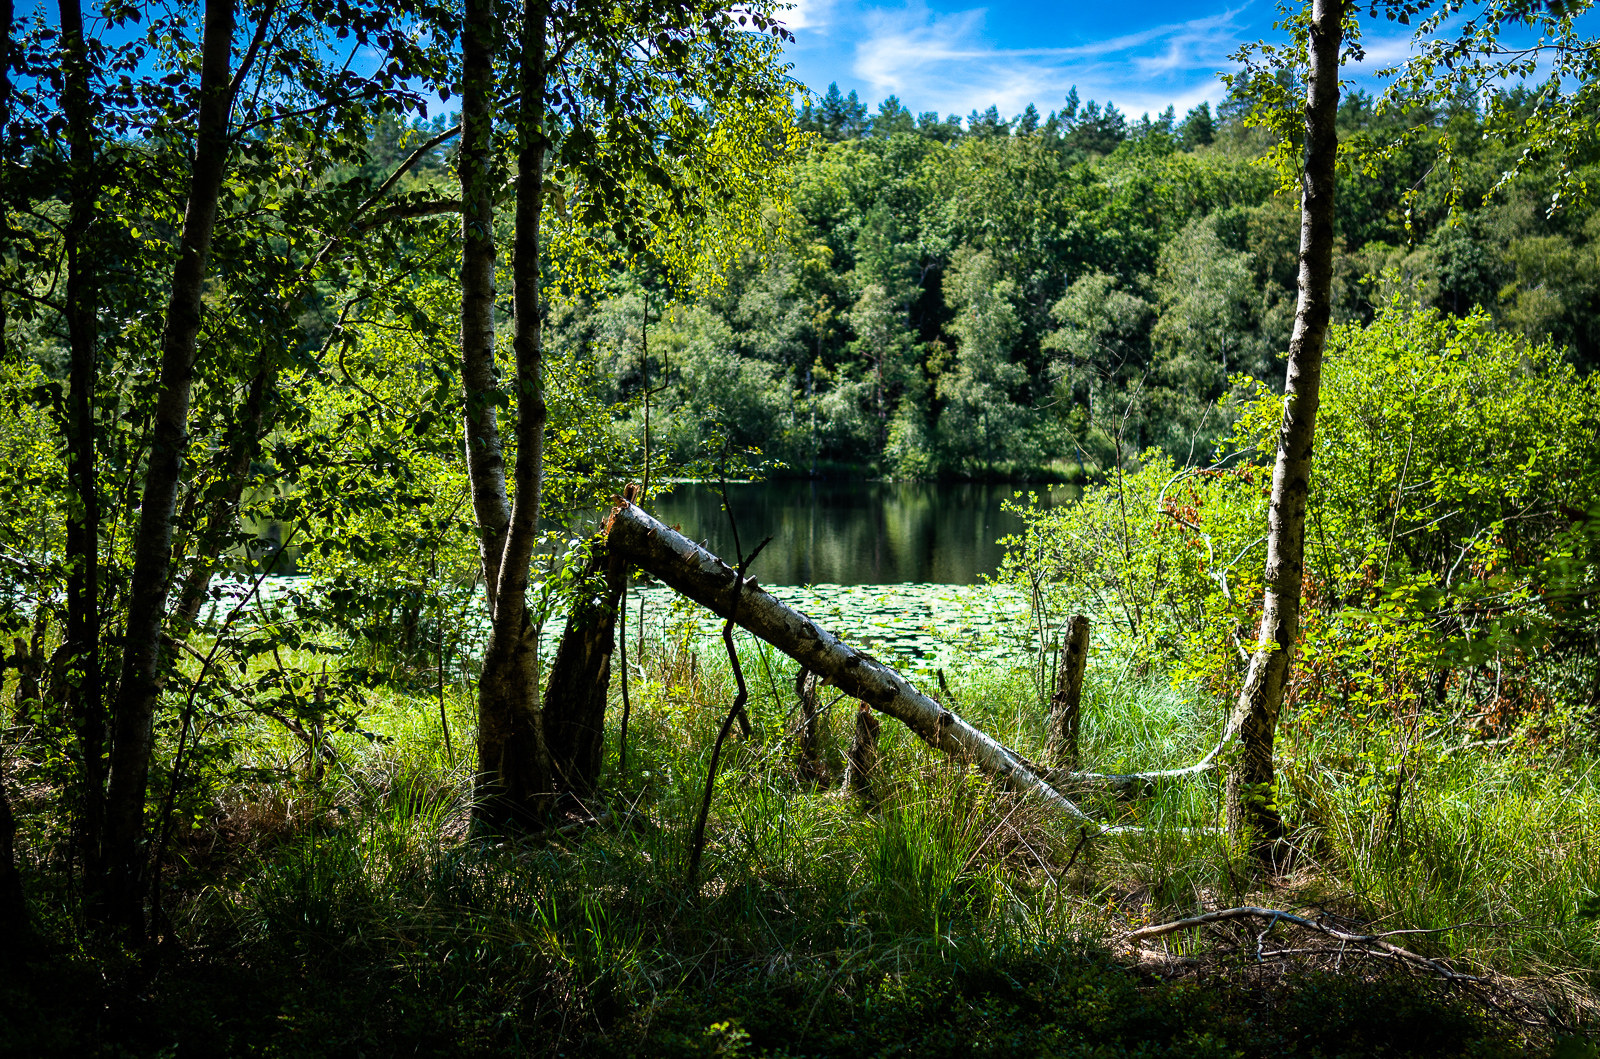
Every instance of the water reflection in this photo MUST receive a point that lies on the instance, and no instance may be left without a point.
(857, 533)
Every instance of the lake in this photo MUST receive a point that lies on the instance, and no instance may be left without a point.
(856, 532)
(894, 566)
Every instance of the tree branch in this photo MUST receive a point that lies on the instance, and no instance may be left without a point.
(1372, 941)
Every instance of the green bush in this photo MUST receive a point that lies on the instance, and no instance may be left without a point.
(1451, 531)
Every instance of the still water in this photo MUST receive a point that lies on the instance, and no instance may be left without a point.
(888, 565)
(857, 532)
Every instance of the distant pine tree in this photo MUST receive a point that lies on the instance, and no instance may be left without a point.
(892, 117)
(1197, 129)
(841, 117)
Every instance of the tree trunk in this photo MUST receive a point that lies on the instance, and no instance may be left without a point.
(861, 767)
(809, 761)
(82, 643)
(1252, 802)
(13, 905)
(1067, 701)
(516, 776)
(28, 665)
(139, 687)
(221, 518)
(580, 677)
(706, 579)
(486, 468)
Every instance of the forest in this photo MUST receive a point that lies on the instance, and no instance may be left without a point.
(337, 432)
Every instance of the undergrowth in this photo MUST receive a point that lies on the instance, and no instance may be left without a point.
(355, 913)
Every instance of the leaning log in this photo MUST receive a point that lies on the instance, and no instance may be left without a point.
(696, 573)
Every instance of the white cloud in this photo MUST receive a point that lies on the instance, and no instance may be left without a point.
(961, 59)
(945, 61)
(808, 14)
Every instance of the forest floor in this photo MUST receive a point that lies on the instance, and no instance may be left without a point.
(352, 912)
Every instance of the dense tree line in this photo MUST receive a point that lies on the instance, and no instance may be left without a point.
(998, 297)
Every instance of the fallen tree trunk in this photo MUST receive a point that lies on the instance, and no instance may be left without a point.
(696, 573)
(1137, 784)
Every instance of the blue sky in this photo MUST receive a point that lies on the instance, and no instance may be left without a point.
(953, 57)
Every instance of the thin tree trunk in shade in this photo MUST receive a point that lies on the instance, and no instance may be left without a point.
(1251, 785)
(82, 645)
(515, 778)
(221, 518)
(139, 687)
(13, 905)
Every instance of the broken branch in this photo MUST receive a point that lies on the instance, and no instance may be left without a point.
(1368, 941)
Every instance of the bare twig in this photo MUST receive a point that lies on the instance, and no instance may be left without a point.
(735, 711)
(1374, 943)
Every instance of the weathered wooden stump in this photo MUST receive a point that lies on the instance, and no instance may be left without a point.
(1066, 703)
(810, 763)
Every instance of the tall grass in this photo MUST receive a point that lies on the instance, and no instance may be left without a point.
(372, 918)
(1494, 850)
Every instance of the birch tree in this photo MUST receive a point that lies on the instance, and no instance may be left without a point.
(640, 123)
(1251, 783)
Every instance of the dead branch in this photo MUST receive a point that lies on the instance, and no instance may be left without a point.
(1374, 943)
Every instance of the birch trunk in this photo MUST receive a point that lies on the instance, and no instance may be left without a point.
(486, 469)
(1251, 785)
(706, 579)
(515, 778)
(139, 686)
